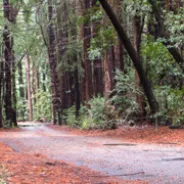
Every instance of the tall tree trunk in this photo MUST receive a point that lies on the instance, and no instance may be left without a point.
(133, 55)
(98, 84)
(56, 100)
(10, 14)
(8, 78)
(88, 86)
(66, 82)
(21, 87)
(138, 28)
(77, 92)
(33, 81)
(14, 98)
(118, 48)
(80, 8)
(76, 72)
(1, 87)
(37, 80)
(98, 77)
(28, 79)
(108, 71)
(43, 72)
(109, 66)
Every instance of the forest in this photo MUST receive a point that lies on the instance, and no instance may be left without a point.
(91, 91)
(92, 64)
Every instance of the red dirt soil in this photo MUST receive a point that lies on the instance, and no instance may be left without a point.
(163, 135)
(37, 169)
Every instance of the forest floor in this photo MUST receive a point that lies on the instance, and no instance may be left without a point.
(44, 154)
(137, 134)
(17, 167)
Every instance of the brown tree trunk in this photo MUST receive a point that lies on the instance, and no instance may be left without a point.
(98, 77)
(118, 48)
(8, 78)
(77, 92)
(76, 72)
(88, 86)
(1, 87)
(37, 80)
(98, 84)
(21, 87)
(28, 79)
(14, 98)
(33, 81)
(56, 100)
(10, 14)
(138, 28)
(66, 77)
(43, 79)
(133, 55)
(108, 70)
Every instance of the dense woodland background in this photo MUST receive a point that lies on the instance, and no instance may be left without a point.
(63, 61)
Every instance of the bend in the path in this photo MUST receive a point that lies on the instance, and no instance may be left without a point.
(154, 163)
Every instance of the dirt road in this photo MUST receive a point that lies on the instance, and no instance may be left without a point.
(161, 164)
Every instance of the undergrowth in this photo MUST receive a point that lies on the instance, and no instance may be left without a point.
(100, 113)
(97, 114)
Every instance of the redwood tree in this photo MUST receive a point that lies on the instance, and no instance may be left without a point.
(133, 55)
(56, 100)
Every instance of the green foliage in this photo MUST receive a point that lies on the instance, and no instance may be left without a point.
(97, 109)
(95, 51)
(98, 114)
(138, 7)
(125, 92)
(157, 59)
(176, 28)
(21, 109)
(69, 117)
(42, 107)
(176, 106)
(171, 104)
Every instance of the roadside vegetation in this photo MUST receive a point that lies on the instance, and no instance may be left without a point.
(92, 64)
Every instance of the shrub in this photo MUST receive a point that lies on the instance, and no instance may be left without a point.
(97, 114)
(101, 114)
(69, 117)
(171, 105)
(123, 97)
(42, 107)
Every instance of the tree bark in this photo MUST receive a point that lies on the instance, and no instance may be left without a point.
(88, 86)
(14, 98)
(133, 55)
(10, 14)
(56, 100)
(8, 78)
(77, 92)
(1, 87)
(108, 72)
(118, 48)
(28, 79)
(98, 84)
(138, 28)
(21, 87)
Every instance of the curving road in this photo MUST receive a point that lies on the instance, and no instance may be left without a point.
(160, 164)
